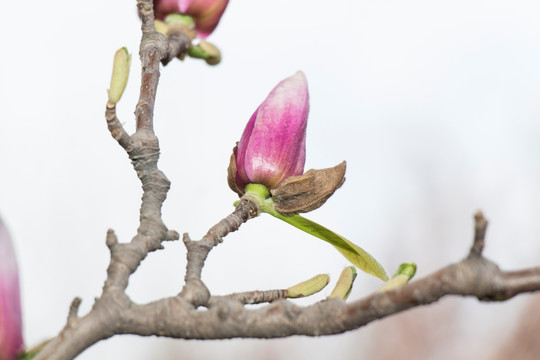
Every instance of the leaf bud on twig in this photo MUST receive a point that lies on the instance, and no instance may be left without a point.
(309, 287)
(120, 75)
(344, 285)
(404, 273)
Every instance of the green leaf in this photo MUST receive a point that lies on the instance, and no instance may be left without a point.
(352, 252)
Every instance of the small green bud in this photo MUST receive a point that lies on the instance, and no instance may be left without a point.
(207, 51)
(120, 74)
(214, 55)
(309, 287)
(197, 52)
(404, 273)
(344, 285)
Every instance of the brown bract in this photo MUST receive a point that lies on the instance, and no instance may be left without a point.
(307, 192)
(231, 173)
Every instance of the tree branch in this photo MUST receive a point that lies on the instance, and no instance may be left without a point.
(227, 316)
(255, 297)
(153, 49)
(143, 150)
(194, 291)
(480, 226)
(179, 39)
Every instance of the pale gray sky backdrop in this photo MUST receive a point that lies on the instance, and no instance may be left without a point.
(434, 105)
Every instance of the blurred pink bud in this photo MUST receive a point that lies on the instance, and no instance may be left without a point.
(11, 341)
(205, 13)
(273, 145)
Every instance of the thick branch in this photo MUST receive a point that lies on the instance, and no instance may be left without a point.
(228, 318)
(143, 150)
(479, 278)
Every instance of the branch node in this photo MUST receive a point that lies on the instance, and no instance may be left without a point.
(179, 42)
(186, 239)
(74, 310)
(116, 129)
(195, 293)
(112, 239)
(172, 235)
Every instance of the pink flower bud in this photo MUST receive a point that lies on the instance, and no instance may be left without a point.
(11, 341)
(205, 13)
(273, 145)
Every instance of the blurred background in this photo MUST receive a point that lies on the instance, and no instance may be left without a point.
(434, 105)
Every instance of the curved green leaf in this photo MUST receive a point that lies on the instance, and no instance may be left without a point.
(352, 252)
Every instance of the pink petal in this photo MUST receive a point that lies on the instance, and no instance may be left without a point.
(11, 341)
(274, 147)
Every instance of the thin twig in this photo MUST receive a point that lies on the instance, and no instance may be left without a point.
(152, 50)
(74, 309)
(480, 226)
(254, 297)
(194, 290)
(116, 129)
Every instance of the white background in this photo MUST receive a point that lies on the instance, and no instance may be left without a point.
(434, 105)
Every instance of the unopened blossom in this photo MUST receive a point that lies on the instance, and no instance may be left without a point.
(11, 341)
(273, 145)
(205, 13)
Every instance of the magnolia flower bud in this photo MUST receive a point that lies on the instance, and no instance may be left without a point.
(273, 145)
(205, 13)
(11, 340)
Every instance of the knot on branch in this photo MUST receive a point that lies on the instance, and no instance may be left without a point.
(195, 293)
(144, 157)
(152, 232)
(153, 44)
(143, 141)
(246, 209)
(178, 45)
(225, 308)
(474, 276)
